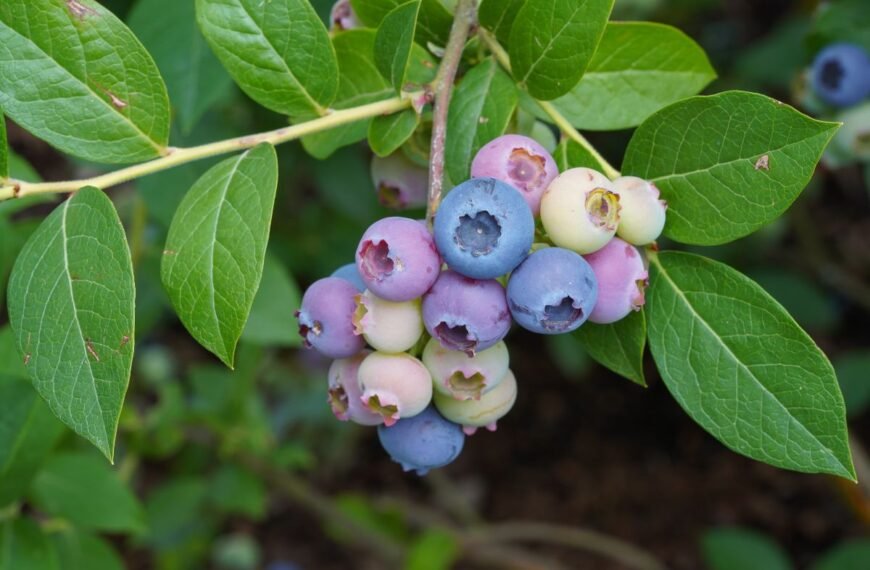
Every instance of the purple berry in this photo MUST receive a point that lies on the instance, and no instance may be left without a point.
(350, 273)
(400, 183)
(552, 292)
(622, 278)
(326, 318)
(466, 314)
(397, 259)
(426, 441)
(484, 228)
(343, 16)
(394, 386)
(521, 162)
(345, 394)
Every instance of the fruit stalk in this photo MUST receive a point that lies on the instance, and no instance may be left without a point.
(465, 15)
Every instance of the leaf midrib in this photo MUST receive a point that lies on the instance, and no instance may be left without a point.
(553, 38)
(728, 350)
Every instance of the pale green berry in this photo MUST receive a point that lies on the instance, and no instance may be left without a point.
(485, 412)
(459, 376)
(386, 325)
(580, 210)
(641, 212)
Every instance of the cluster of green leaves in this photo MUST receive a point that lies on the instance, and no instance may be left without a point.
(728, 164)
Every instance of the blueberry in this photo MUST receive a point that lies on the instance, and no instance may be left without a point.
(622, 278)
(552, 292)
(397, 259)
(456, 375)
(343, 17)
(394, 386)
(484, 412)
(466, 314)
(350, 273)
(580, 210)
(400, 183)
(345, 394)
(484, 228)
(841, 74)
(386, 325)
(521, 162)
(641, 212)
(326, 318)
(426, 441)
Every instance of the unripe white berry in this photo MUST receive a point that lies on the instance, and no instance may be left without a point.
(459, 376)
(580, 210)
(386, 325)
(641, 212)
(485, 412)
(394, 385)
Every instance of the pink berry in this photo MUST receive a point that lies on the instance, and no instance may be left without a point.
(345, 395)
(400, 183)
(326, 318)
(622, 278)
(343, 16)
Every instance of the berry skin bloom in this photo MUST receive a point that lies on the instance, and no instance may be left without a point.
(399, 183)
(521, 162)
(552, 292)
(394, 386)
(622, 278)
(350, 273)
(397, 259)
(841, 74)
(456, 375)
(466, 314)
(485, 412)
(484, 228)
(326, 318)
(386, 325)
(344, 393)
(641, 212)
(580, 210)
(426, 441)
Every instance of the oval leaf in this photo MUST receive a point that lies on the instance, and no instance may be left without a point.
(278, 52)
(76, 549)
(742, 549)
(97, 94)
(23, 546)
(71, 297)
(638, 69)
(433, 21)
(498, 17)
(213, 261)
(618, 346)
(387, 133)
(480, 110)
(552, 42)
(743, 369)
(393, 42)
(277, 299)
(727, 164)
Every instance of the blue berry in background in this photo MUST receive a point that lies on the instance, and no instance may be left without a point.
(326, 318)
(397, 259)
(423, 442)
(466, 314)
(350, 273)
(554, 291)
(484, 228)
(841, 74)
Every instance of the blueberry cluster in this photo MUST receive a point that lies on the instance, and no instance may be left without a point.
(416, 324)
(840, 74)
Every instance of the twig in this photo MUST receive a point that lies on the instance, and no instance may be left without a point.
(443, 89)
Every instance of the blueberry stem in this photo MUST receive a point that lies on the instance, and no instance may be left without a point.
(558, 119)
(442, 87)
(178, 156)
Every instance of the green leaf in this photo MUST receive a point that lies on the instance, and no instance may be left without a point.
(237, 491)
(480, 110)
(434, 550)
(83, 489)
(742, 549)
(28, 431)
(97, 94)
(849, 555)
(433, 21)
(77, 550)
(639, 68)
(841, 21)
(214, 252)
(278, 52)
(194, 77)
(4, 148)
(498, 17)
(552, 43)
(20, 169)
(618, 346)
(742, 368)
(276, 301)
(393, 42)
(71, 298)
(23, 546)
(389, 132)
(569, 154)
(853, 374)
(725, 185)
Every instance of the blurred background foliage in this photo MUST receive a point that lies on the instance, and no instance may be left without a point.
(248, 469)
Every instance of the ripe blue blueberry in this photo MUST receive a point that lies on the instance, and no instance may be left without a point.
(326, 318)
(466, 314)
(350, 273)
(553, 291)
(484, 228)
(841, 74)
(423, 442)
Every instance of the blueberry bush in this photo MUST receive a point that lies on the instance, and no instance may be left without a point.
(492, 209)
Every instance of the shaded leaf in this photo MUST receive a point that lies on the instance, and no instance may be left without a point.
(23, 546)
(848, 555)
(387, 133)
(433, 550)
(272, 312)
(433, 23)
(393, 42)
(4, 148)
(77, 550)
(742, 549)
(853, 374)
(618, 346)
(569, 154)
(498, 17)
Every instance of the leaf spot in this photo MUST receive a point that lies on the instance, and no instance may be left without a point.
(124, 340)
(168, 252)
(90, 348)
(26, 359)
(763, 163)
(79, 10)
